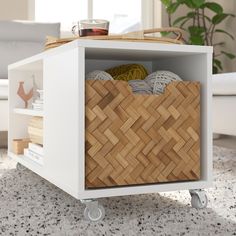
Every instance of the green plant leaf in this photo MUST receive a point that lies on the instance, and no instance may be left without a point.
(208, 18)
(198, 3)
(196, 40)
(229, 55)
(195, 30)
(182, 1)
(166, 2)
(189, 4)
(217, 19)
(219, 44)
(215, 70)
(218, 64)
(163, 34)
(191, 14)
(172, 7)
(224, 32)
(184, 22)
(179, 19)
(215, 7)
(193, 4)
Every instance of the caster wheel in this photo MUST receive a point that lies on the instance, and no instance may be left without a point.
(20, 167)
(199, 202)
(95, 214)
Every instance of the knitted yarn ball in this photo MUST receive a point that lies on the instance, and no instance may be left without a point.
(128, 72)
(160, 79)
(98, 75)
(140, 87)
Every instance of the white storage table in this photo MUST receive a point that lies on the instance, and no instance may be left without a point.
(61, 73)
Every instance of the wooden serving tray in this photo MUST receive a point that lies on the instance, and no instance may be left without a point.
(137, 36)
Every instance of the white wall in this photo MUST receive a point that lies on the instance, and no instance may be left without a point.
(229, 25)
(19, 9)
(13, 9)
(24, 10)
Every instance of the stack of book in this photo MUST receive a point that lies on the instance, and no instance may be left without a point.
(35, 129)
(35, 153)
(38, 103)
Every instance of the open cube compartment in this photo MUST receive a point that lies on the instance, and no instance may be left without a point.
(19, 116)
(192, 67)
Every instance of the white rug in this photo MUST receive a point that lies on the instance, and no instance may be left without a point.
(29, 205)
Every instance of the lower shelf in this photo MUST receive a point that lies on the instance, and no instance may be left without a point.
(25, 161)
(29, 112)
(78, 190)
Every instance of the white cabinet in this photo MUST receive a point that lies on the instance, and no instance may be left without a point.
(61, 73)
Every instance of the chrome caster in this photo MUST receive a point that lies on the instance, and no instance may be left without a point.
(20, 167)
(93, 211)
(198, 198)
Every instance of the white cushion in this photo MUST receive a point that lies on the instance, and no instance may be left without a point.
(28, 31)
(3, 115)
(3, 89)
(21, 39)
(224, 84)
(13, 51)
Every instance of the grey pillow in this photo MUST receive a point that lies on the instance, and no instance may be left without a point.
(21, 39)
(28, 31)
(12, 51)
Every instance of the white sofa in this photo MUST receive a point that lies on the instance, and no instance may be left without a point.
(3, 104)
(18, 40)
(224, 104)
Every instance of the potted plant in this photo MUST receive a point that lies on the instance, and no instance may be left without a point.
(200, 27)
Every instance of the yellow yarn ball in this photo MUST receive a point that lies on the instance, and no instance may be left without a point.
(128, 72)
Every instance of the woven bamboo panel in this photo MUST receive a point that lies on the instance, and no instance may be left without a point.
(138, 139)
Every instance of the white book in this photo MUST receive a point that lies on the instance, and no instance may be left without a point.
(36, 148)
(33, 157)
(40, 93)
(37, 109)
(37, 106)
(38, 101)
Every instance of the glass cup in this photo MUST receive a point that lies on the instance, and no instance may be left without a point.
(91, 27)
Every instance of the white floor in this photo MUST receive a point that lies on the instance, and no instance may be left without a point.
(226, 142)
(32, 206)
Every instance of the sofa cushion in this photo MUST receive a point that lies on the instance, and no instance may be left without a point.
(224, 84)
(12, 51)
(3, 89)
(28, 31)
(21, 39)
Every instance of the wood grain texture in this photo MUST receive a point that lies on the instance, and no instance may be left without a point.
(35, 130)
(139, 139)
(136, 36)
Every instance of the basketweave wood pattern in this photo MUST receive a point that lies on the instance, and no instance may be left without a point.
(139, 139)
